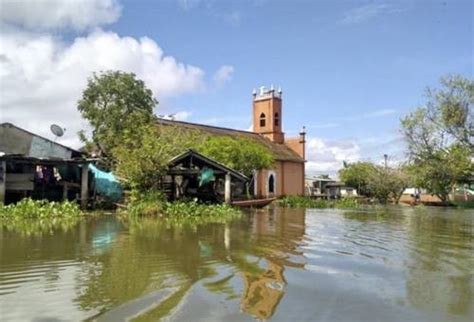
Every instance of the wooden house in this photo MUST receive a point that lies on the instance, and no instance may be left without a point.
(36, 167)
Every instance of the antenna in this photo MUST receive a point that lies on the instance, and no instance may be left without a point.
(57, 131)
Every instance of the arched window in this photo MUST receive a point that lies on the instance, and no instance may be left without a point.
(262, 120)
(277, 119)
(271, 184)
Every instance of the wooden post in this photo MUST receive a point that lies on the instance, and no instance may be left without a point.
(64, 191)
(3, 180)
(227, 193)
(84, 185)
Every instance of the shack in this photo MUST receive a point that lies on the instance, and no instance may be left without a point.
(193, 175)
(36, 167)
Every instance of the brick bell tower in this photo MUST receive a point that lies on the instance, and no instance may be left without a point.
(267, 114)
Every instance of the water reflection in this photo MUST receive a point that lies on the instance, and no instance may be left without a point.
(273, 263)
(441, 263)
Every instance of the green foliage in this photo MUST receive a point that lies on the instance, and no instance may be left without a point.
(114, 103)
(440, 137)
(357, 175)
(152, 203)
(142, 163)
(374, 181)
(439, 173)
(241, 154)
(38, 209)
(385, 184)
(145, 203)
(119, 109)
(305, 202)
(447, 118)
(193, 213)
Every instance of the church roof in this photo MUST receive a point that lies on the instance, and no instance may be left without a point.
(281, 152)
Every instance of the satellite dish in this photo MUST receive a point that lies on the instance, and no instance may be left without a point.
(57, 130)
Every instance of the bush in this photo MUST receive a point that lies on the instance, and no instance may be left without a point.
(146, 203)
(38, 209)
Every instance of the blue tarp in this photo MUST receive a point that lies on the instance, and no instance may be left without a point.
(205, 176)
(106, 184)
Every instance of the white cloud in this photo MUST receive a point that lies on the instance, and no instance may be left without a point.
(41, 77)
(367, 12)
(182, 115)
(223, 75)
(55, 14)
(379, 113)
(328, 155)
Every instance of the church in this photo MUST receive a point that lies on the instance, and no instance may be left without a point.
(287, 175)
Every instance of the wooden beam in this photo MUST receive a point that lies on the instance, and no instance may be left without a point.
(3, 177)
(84, 185)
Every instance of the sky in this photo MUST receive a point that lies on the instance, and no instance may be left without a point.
(349, 70)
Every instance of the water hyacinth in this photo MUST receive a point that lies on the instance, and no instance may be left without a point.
(153, 204)
(38, 209)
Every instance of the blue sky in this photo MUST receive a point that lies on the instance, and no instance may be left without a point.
(348, 69)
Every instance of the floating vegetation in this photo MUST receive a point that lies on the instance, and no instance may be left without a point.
(184, 214)
(39, 217)
(147, 203)
(38, 209)
(305, 202)
(178, 213)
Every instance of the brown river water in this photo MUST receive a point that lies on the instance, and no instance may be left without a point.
(393, 264)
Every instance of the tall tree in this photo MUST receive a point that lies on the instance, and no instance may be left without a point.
(115, 103)
(446, 119)
(440, 136)
(375, 181)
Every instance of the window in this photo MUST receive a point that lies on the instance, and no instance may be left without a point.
(277, 119)
(262, 120)
(271, 184)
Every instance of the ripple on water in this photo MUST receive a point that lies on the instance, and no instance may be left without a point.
(268, 265)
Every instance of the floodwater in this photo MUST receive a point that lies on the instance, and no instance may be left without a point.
(396, 264)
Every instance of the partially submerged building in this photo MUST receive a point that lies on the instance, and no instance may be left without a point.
(287, 176)
(327, 188)
(193, 175)
(36, 167)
